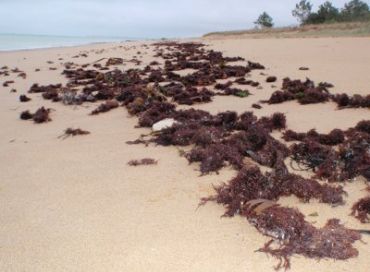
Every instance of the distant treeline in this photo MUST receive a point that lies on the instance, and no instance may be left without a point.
(352, 11)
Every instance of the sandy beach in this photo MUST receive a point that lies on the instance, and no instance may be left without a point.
(75, 204)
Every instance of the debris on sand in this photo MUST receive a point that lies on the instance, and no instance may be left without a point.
(7, 83)
(304, 68)
(253, 195)
(355, 101)
(145, 161)
(255, 66)
(304, 91)
(24, 98)
(243, 142)
(243, 81)
(114, 61)
(251, 184)
(22, 75)
(73, 132)
(40, 116)
(36, 88)
(361, 210)
(26, 115)
(292, 234)
(337, 156)
(256, 106)
(107, 106)
(334, 137)
(163, 124)
(271, 79)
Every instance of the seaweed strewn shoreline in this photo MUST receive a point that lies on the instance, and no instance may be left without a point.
(153, 93)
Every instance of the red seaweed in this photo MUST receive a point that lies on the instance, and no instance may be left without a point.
(24, 98)
(41, 115)
(74, 132)
(7, 83)
(227, 138)
(350, 159)
(107, 106)
(271, 79)
(292, 234)
(26, 115)
(145, 161)
(361, 210)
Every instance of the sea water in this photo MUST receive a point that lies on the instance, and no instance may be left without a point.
(22, 42)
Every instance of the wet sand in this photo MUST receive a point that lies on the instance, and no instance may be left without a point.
(75, 204)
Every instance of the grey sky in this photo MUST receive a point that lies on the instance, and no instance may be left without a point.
(140, 18)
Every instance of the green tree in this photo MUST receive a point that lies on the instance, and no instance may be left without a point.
(355, 10)
(326, 13)
(302, 11)
(264, 20)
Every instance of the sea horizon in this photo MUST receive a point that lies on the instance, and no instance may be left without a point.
(16, 41)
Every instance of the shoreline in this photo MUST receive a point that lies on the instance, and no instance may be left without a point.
(206, 39)
(67, 46)
(140, 40)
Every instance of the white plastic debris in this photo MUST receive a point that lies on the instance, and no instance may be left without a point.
(165, 123)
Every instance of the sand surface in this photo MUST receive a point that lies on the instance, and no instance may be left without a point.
(75, 205)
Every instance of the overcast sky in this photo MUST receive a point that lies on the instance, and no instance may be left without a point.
(140, 18)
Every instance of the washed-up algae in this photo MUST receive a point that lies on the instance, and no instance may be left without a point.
(227, 139)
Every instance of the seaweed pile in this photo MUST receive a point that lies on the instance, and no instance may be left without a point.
(241, 141)
(23, 98)
(337, 156)
(40, 116)
(361, 210)
(225, 138)
(250, 184)
(306, 92)
(292, 234)
(107, 106)
(148, 83)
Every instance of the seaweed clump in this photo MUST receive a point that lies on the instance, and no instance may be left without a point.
(336, 156)
(361, 210)
(355, 101)
(253, 195)
(214, 143)
(271, 79)
(145, 161)
(26, 115)
(227, 138)
(24, 98)
(305, 92)
(292, 234)
(74, 132)
(107, 106)
(334, 137)
(251, 184)
(40, 116)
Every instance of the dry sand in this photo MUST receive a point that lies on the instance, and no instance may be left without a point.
(75, 205)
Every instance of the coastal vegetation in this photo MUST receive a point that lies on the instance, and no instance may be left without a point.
(352, 20)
